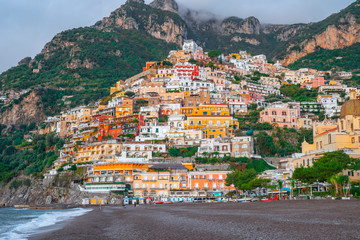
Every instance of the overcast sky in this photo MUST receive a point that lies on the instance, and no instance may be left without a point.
(27, 25)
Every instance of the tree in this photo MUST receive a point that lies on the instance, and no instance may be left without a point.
(241, 180)
(130, 94)
(167, 63)
(280, 184)
(328, 165)
(259, 183)
(292, 182)
(214, 53)
(73, 167)
(192, 61)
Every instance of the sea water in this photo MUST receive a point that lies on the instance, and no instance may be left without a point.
(19, 224)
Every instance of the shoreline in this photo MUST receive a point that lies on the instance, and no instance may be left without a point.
(326, 219)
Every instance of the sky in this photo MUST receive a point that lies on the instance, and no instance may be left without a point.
(27, 25)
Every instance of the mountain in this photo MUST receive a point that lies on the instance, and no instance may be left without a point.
(79, 65)
(346, 58)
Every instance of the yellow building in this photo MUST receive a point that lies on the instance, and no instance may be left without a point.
(92, 152)
(217, 132)
(332, 136)
(160, 180)
(206, 110)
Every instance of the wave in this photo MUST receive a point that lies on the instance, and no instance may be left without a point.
(38, 224)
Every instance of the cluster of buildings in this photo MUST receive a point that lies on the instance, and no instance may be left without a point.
(124, 139)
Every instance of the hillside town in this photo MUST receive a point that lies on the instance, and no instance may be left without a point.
(152, 135)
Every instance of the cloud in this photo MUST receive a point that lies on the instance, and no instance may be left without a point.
(27, 25)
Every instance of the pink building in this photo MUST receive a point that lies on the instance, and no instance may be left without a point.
(199, 55)
(281, 114)
(314, 83)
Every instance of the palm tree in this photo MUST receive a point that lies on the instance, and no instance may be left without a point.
(292, 182)
(334, 181)
(280, 184)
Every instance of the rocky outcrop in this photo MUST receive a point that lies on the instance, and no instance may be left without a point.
(166, 5)
(24, 61)
(251, 41)
(60, 190)
(77, 63)
(250, 25)
(24, 111)
(166, 26)
(334, 37)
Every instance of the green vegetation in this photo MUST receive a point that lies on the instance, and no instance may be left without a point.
(18, 183)
(341, 59)
(355, 80)
(214, 53)
(299, 94)
(251, 120)
(282, 141)
(101, 59)
(246, 180)
(324, 168)
(18, 155)
(258, 165)
(183, 152)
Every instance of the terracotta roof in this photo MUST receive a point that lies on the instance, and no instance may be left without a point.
(351, 107)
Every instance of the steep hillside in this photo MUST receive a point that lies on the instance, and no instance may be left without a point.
(337, 31)
(342, 59)
(85, 62)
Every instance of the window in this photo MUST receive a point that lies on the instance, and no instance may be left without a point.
(244, 146)
(352, 140)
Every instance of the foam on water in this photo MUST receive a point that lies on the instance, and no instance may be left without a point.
(37, 223)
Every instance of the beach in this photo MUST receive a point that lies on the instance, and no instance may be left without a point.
(309, 219)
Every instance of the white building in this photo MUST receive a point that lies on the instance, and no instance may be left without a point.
(190, 46)
(148, 133)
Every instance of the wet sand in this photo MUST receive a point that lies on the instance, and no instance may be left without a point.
(307, 219)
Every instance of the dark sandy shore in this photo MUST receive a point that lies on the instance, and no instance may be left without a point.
(278, 220)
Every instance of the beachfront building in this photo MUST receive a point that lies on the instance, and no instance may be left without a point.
(104, 178)
(159, 180)
(209, 181)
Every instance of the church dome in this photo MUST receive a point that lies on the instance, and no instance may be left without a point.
(351, 107)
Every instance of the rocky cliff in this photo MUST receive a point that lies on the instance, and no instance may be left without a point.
(58, 189)
(250, 25)
(166, 5)
(343, 34)
(159, 21)
(24, 111)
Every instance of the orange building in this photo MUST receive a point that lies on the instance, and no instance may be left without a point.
(209, 180)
